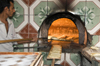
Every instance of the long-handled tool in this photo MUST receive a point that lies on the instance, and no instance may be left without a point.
(15, 40)
(29, 39)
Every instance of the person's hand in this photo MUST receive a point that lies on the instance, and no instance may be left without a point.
(34, 40)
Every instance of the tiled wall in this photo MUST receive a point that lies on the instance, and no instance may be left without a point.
(31, 13)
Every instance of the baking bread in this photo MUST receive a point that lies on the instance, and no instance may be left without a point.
(55, 52)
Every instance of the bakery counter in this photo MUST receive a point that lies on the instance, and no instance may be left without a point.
(21, 59)
(96, 61)
(92, 55)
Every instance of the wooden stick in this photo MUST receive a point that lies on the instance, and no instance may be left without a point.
(53, 62)
(15, 40)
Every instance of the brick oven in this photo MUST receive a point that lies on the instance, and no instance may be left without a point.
(65, 29)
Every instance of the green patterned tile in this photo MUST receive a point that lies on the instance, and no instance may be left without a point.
(52, 7)
(79, 8)
(75, 58)
(45, 7)
(82, 18)
(87, 8)
(92, 22)
(92, 8)
(17, 20)
(95, 40)
(90, 11)
(39, 19)
(18, 17)
(18, 8)
(92, 15)
(41, 8)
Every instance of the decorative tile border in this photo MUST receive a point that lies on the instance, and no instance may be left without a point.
(95, 29)
(75, 58)
(68, 59)
(23, 5)
(61, 60)
(96, 41)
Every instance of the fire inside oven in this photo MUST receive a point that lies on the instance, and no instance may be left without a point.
(63, 29)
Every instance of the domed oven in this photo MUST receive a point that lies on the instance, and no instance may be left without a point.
(65, 29)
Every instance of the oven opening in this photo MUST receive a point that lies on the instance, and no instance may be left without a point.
(65, 29)
(64, 32)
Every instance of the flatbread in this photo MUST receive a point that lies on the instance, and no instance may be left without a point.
(95, 54)
(94, 47)
(55, 52)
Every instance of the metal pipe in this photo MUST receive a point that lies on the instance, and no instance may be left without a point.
(28, 47)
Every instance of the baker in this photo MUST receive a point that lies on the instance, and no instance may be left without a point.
(7, 30)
